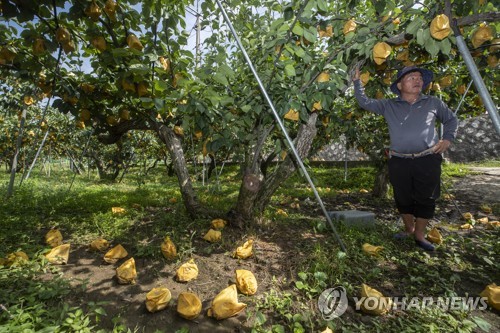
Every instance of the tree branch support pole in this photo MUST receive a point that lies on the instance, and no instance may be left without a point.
(476, 77)
(36, 157)
(280, 123)
(13, 169)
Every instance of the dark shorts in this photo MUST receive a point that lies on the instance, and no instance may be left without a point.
(416, 184)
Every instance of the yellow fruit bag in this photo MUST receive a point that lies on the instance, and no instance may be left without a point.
(373, 302)
(246, 282)
(492, 292)
(218, 224)
(434, 236)
(440, 27)
(187, 272)
(188, 305)
(381, 51)
(126, 273)
(168, 249)
(372, 249)
(483, 220)
(492, 225)
(226, 304)
(482, 34)
(213, 236)
(118, 210)
(244, 251)
(58, 255)
(99, 244)
(157, 299)
(15, 258)
(115, 254)
(54, 238)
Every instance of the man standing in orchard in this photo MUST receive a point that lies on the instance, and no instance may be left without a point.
(415, 148)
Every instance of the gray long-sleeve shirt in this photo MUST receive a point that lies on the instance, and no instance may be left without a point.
(412, 127)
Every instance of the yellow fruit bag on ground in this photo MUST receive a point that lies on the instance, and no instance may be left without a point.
(59, 255)
(187, 272)
(218, 224)
(126, 273)
(244, 251)
(15, 258)
(213, 236)
(372, 249)
(99, 244)
(434, 236)
(157, 299)
(115, 254)
(118, 210)
(492, 292)
(492, 225)
(188, 305)
(246, 282)
(226, 304)
(168, 249)
(373, 302)
(54, 238)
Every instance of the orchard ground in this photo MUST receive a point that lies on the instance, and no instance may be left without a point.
(296, 255)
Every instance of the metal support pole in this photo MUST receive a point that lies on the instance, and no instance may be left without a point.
(476, 77)
(280, 123)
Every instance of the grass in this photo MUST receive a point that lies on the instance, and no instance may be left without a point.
(463, 264)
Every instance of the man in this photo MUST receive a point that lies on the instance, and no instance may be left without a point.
(415, 149)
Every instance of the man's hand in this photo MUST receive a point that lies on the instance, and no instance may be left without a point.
(355, 74)
(441, 146)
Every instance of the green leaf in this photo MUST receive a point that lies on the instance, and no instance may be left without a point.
(445, 46)
(481, 323)
(299, 52)
(220, 78)
(320, 276)
(226, 70)
(278, 329)
(303, 276)
(260, 318)
(161, 85)
(290, 70)
(298, 30)
(246, 108)
(300, 285)
(421, 37)
(488, 261)
(310, 34)
(322, 5)
(432, 47)
(414, 26)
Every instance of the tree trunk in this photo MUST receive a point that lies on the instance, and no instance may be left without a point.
(256, 191)
(381, 186)
(174, 147)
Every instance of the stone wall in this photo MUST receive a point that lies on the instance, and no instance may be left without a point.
(477, 140)
(336, 151)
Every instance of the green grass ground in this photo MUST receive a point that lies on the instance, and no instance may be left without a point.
(30, 301)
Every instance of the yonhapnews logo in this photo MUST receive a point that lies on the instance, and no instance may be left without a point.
(332, 303)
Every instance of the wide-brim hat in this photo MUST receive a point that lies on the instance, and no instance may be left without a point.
(427, 77)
